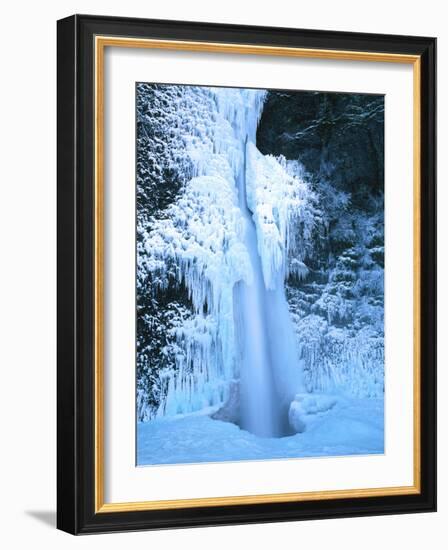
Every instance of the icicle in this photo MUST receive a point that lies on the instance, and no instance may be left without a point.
(202, 233)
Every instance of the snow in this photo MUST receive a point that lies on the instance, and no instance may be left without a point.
(337, 362)
(201, 233)
(306, 407)
(348, 427)
(277, 199)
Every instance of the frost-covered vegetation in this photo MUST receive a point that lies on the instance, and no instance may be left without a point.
(318, 219)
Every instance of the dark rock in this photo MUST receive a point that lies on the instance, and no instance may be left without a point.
(336, 136)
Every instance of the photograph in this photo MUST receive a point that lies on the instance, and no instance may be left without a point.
(246, 267)
(259, 274)
(222, 241)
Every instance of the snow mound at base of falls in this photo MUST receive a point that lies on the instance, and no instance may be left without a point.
(307, 407)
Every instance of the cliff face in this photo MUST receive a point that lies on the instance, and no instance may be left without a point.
(337, 137)
(338, 308)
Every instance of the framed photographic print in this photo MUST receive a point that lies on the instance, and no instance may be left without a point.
(246, 274)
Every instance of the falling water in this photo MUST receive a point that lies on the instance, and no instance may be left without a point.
(259, 400)
(269, 366)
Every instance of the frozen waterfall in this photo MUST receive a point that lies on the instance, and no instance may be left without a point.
(229, 234)
(270, 372)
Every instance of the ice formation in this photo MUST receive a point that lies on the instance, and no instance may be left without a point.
(204, 233)
(278, 199)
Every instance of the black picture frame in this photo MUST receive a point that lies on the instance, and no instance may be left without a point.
(76, 511)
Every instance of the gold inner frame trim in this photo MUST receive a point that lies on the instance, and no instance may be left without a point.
(101, 42)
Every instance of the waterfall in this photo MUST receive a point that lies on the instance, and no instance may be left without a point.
(269, 365)
(258, 398)
(226, 238)
(224, 232)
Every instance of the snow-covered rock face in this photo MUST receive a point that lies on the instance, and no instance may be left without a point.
(337, 299)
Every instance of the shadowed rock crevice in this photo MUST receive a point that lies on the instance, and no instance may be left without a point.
(337, 137)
